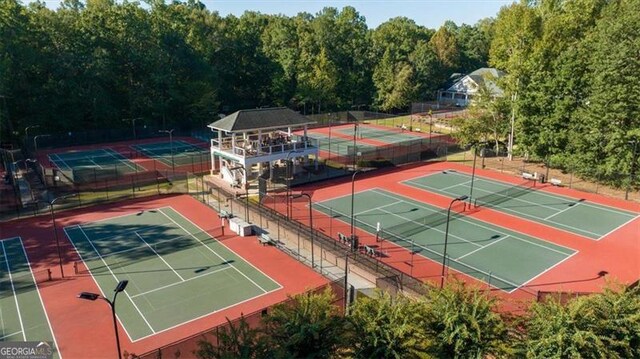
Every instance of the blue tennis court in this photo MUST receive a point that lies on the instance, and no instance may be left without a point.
(101, 159)
(176, 153)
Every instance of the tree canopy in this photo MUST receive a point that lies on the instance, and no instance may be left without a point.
(89, 64)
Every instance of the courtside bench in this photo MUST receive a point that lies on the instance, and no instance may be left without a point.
(555, 182)
(265, 239)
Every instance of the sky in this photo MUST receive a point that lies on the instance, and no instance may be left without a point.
(428, 13)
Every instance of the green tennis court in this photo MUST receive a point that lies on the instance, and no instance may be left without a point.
(338, 145)
(22, 313)
(387, 136)
(101, 159)
(577, 216)
(176, 271)
(501, 257)
(178, 153)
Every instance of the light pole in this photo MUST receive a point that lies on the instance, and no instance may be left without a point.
(35, 142)
(313, 262)
(289, 177)
(55, 230)
(133, 124)
(633, 168)
(26, 133)
(446, 236)
(473, 172)
(355, 132)
(353, 182)
(170, 132)
(112, 303)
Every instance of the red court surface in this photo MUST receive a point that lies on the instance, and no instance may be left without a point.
(84, 329)
(617, 253)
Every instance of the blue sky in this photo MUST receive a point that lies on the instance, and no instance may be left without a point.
(429, 13)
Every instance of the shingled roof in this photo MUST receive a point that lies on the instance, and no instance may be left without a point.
(260, 118)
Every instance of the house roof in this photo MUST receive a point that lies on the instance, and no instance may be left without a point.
(470, 82)
(260, 118)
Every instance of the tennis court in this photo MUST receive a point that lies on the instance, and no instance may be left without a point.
(22, 314)
(100, 159)
(588, 219)
(387, 136)
(176, 153)
(501, 257)
(338, 145)
(177, 272)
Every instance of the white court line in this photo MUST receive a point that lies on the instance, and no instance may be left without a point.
(575, 204)
(559, 226)
(63, 162)
(119, 158)
(516, 286)
(2, 325)
(214, 252)
(13, 289)
(595, 205)
(92, 276)
(455, 185)
(548, 269)
(177, 283)
(475, 250)
(477, 223)
(620, 226)
(94, 162)
(203, 315)
(46, 315)
(159, 256)
(429, 228)
(227, 248)
(444, 190)
(373, 209)
(114, 277)
(8, 335)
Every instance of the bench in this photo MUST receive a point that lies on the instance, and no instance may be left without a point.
(264, 239)
(369, 250)
(529, 176)
(344, 239)
(555, 182)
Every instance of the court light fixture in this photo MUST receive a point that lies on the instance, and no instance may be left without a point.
(446, 236)
(112, 303)
(55, 229)
(313, 262)
(353, 184)
(170, 132)
(35, 142)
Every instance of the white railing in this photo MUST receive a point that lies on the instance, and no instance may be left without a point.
(253, 149)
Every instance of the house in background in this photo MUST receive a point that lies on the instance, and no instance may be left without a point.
(460, 93)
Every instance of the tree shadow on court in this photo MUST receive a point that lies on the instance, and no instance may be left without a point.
(106, 246)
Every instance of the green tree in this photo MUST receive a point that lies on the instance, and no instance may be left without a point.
(446, 48)
(488, 118)
(310, 326)
(387, 327)
(462, 322)
(602, 325)
(235, 342)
